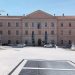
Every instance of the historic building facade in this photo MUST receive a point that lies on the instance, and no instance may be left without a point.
(37, 28)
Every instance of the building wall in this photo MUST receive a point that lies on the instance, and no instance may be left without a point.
(41, 36)
(68, 31)
(23, 34)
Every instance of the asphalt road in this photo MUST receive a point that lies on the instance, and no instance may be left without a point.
(47, 68)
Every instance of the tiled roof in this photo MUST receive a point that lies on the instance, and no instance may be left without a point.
(39, 14)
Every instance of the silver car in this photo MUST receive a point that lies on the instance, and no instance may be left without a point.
(21, 45)
(48, 46)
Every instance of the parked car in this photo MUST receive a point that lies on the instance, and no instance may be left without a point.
(10, 44)
(21, 45)
(48, 45)
(67, 46)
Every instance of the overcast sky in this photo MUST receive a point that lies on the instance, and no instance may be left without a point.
(20, 7)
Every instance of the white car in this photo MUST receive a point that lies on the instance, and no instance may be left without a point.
(21, 45)
(48, 45)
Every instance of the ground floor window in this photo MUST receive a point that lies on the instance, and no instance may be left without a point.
(9, 41)
(69, 42)
(26, 41)
(17, 42)
(61, 41)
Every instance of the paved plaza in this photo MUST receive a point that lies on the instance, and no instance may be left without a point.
(11, 57)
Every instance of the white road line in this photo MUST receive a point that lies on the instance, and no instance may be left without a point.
(47, 68)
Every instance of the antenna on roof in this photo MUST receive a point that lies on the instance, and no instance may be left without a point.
(63, 14)
(54, 14)
(23, 14)
(7, 14)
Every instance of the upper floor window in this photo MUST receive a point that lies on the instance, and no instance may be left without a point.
(45, 24)
(26, 24)
(52, 32)
(61, 24)
(1, 32)
(52, 24)
(69, 32)
(45, 32)
(26, 32)
(17, 24)
(17, 32)
(9, 32)
(39, 25)
(9, 24)
(32, 24)
(1, 24)
(69, 24)
(32, 32)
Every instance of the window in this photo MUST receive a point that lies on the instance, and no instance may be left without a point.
(45, 24)
(32, 24)
(45, 32)
(17, 24)
(9, 41)
(26, 24)
(1, 24)
(52, 41)
(9, 24)
(52, 24)
(9, 32)
(26, 41)
(61, 32)
(70, 42)
(1, 32)
(17, 42)
(52, 32)
(32, 32)
(61, 41)
(61, 24)
(26, 32)
(33, 39)
(39, 25)
(45, 37)
(69, 24)
(69, 32)
(17, 32)
(39, 32)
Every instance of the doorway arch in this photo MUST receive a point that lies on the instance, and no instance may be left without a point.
(39, 42)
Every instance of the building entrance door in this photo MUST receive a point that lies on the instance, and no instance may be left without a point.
(39, 42)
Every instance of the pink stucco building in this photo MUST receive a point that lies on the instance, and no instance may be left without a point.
(37, 28)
